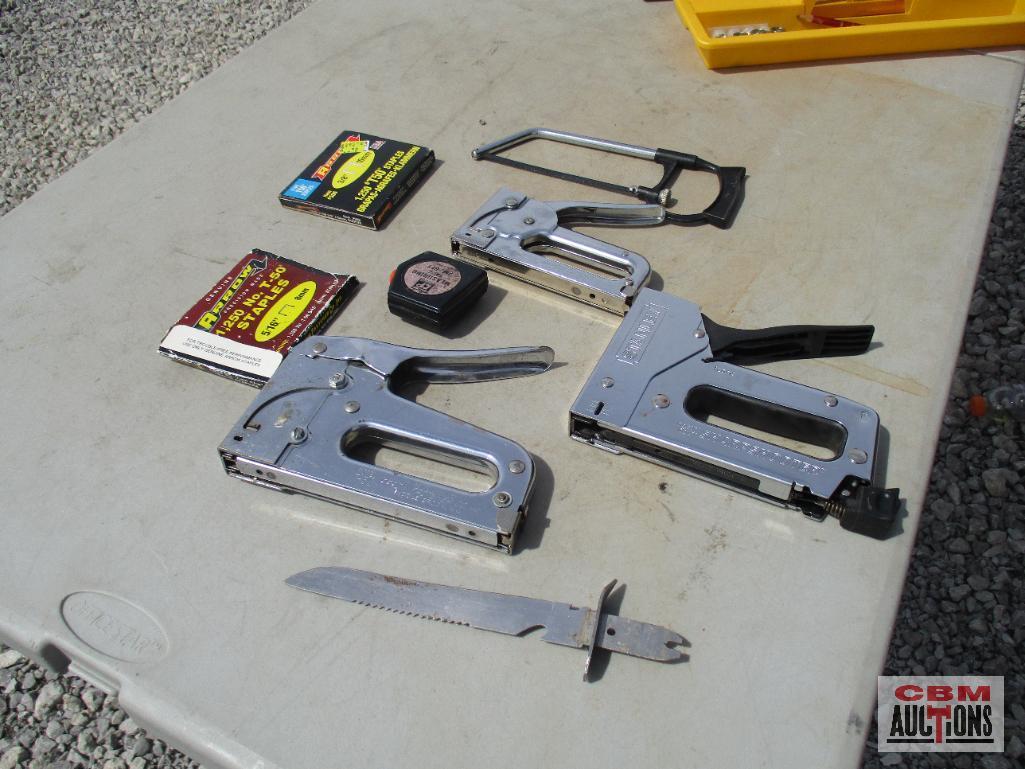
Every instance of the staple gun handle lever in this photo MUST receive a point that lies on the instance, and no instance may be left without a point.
(747, 346)
(572, 212)
(473, 365)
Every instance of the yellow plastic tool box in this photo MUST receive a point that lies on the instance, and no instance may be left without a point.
(736, 33)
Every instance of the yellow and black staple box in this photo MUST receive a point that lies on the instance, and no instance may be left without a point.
(359, 179)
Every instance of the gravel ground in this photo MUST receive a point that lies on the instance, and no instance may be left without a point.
(76, 74)
(963, 608)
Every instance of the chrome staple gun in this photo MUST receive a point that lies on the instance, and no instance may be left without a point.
(531, 240)
(333, 397)
(669, 383)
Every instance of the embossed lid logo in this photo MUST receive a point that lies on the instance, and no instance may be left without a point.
(640, 337)
(114, 627)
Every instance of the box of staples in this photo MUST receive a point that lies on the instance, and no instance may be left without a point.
(245, 325)
(359, 178)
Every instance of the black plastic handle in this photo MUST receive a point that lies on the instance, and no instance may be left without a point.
(723, 210)
(871, 511)
(746, 346)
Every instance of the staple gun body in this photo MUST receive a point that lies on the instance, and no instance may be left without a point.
(531, 240)
(332, 397)
(664, 390)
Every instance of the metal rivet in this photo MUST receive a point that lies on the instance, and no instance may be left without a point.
(831, 401)
(511, 202)
(502, 499)
(699, 333)
(516, 467)
(338, 380)
(352, 407)
(660, 401)
(857, 456)
(319, 348)
(529, 220)
(607, 382)
(298, 435)
(488, 233)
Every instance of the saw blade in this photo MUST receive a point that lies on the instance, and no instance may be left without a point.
(564, 623)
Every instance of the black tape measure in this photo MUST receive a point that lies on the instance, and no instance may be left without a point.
(435, 290)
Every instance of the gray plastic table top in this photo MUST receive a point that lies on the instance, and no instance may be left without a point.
(870, 188)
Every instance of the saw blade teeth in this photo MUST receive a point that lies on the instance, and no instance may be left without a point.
(413, 614)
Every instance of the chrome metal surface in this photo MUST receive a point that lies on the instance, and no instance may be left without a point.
(565, 137)
(531, 241)
(304, 434)
(596, 616)
(565, 624)
(655, 411)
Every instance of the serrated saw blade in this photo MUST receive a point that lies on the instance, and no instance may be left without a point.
(564, 623)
